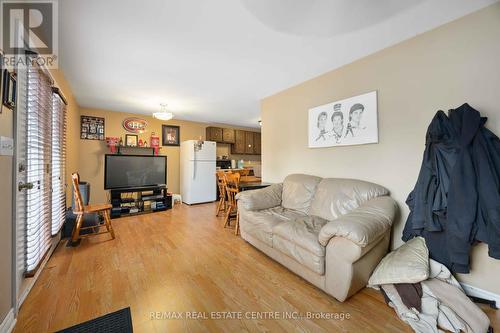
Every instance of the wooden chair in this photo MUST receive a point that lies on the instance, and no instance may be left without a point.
(221, 183)
(243, 172)
(80, 210)
(232, 188)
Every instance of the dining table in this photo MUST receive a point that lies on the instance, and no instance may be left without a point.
(247, 186)
(250, 179)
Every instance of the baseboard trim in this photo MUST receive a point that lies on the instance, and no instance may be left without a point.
(478, 292)
(8, 323)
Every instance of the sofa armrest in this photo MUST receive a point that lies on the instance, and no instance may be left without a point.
(263, 198)
(364, 224)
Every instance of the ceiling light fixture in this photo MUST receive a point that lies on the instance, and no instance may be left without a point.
(163, 114)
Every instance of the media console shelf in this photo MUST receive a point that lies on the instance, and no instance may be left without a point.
(139, 200)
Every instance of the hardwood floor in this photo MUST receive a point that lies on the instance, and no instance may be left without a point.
(184, 260)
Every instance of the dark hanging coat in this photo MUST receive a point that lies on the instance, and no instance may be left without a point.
(456, 200)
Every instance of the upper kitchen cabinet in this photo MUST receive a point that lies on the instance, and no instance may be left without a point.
(228, 135)
(256, 143)
(214, 134)
(242, 142)
(220, 135)
(249, 142)
(239, 142)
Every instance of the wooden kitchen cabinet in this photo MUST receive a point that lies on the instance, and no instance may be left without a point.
(214, 134)
(228, 135)
(239, 142)
(220, 135)
(256, 143)
(248, 142)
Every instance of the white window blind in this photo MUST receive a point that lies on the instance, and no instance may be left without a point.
(38, 172)
(58, 161)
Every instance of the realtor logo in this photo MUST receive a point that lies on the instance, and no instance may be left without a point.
(29, 26)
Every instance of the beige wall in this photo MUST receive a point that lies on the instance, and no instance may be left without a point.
(6, 129)
(441, 69)
(91, 152)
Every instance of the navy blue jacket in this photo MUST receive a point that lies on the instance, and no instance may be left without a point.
(456, 200)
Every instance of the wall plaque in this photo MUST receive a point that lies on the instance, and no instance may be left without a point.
(135, 125)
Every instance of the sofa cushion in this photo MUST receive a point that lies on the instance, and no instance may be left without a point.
(407, 264)
(298, 239)
(298, 190)
(307, 259)
(283, 214)
(335, 197)
(260, 224)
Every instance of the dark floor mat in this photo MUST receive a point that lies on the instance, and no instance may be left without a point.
(114, 322)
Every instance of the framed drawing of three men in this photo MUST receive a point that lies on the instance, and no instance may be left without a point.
(351, 121)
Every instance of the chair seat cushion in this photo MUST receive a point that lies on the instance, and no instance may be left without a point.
(298, 239)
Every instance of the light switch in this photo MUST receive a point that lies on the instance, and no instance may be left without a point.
(6, 146)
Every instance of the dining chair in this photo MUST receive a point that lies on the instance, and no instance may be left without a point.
(80, 210)
(232, 189)
(221, 183)
(243, 172)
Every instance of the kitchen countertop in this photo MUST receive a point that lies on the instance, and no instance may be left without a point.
(236, 169)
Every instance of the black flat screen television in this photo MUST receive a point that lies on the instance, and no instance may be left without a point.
(128, 171)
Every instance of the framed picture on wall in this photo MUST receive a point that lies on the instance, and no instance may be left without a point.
(9, 89)
(91, 128)
(131, 140)
(351, 121)
(171, 135)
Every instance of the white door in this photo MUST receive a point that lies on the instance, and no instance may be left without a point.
(33, 164)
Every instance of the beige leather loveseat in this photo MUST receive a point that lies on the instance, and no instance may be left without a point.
(332, 232)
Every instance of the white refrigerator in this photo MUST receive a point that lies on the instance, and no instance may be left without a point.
(197, 171)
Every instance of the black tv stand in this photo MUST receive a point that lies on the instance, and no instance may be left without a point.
(139, 200)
